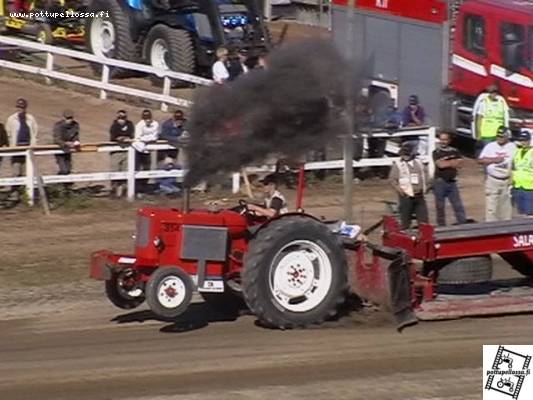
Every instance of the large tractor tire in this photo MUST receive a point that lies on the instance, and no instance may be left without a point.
(171, 49)
(169, 292)
(469, 275)
(110, 37)
(123, 290)
(295, 273)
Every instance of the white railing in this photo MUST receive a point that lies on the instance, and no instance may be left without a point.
(427, 136)
(103, 83)
(130, 175)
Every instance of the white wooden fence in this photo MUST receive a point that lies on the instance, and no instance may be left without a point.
(102, 83)
(130, 175)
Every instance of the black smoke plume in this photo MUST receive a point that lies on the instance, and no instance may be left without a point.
(294, 106)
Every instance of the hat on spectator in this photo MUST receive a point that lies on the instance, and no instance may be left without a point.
(524, 135)
(503, 132)
(68, 113)
(21, 103)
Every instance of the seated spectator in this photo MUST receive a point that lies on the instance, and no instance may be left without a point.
(67, 136)
(413, 114)
(122, 131)
(168, 186)
(220, 69)
(171, 130)
(146, 131)
(22, 130)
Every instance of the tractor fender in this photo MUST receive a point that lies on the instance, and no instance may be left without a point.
(254, 230)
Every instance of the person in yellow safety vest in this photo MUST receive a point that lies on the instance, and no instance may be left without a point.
(523, 174)
(491, 112)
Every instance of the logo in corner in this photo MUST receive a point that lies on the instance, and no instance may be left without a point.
(506, 377)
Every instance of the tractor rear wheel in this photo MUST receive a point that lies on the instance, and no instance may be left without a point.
(123, 290)
(171, 49)
(169, 292)
(295, 273)
(110, 37)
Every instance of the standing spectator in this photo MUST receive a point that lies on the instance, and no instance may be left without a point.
(447, 160)
(523, 174)
(408, 178)
(67, 136)
(492, 112)
(413, 114)
(122, 131)
(3, 139)
(220, 69)
(146, 131)
(475, 109)
(21, 130)
(171, 130)
(497, 158)
(237, 64)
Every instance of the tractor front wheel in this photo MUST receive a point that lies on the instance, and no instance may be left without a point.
(169, 292)
(124, 290)
(295, 273)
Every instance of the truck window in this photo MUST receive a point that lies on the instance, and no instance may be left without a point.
(474, 34)
(513, 45)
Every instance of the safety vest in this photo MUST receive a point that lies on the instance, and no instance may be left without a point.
(493, 117)
(523, 169)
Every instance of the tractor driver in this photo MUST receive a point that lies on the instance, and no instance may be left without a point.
(275, 203)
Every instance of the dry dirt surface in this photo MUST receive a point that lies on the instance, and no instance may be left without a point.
(61, 339)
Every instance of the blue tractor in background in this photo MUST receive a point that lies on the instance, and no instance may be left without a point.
(177, 35)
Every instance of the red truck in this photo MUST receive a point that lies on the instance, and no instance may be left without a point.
(446, 51)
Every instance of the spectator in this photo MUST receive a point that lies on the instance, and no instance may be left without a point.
(67, 136)
(475, 109)
(168, 185)
(491, 113)
(220, 69)
(171, 130)
(408, 178)
(146, 131)
(413, 114)
(122, 131)
(262, 61)
(21, 130)
(236, 64)
(447, 160)
(497, 158)
(523, 174)
(3, 139)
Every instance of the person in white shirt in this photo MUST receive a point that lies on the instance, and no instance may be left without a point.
(275, 203)
(146, 131)
(497, 157)
(219, 69)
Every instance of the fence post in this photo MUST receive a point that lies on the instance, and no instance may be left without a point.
(30, 177)
(49, 66)
(131, 173)
(166, 92)
(431, 147)
(105, 81)
(236, 182)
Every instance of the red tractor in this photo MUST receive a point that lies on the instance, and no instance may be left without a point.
(291, 270)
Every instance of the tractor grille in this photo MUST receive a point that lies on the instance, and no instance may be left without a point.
(143, 231)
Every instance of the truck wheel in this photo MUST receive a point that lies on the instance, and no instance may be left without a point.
(169, 292)
(44, 34)
(295, 273)
(465, 275)
(123, 290)
(228, 303)
(110, 37)
(168, 48)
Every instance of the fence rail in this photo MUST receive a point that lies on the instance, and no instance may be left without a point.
(103, 83)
